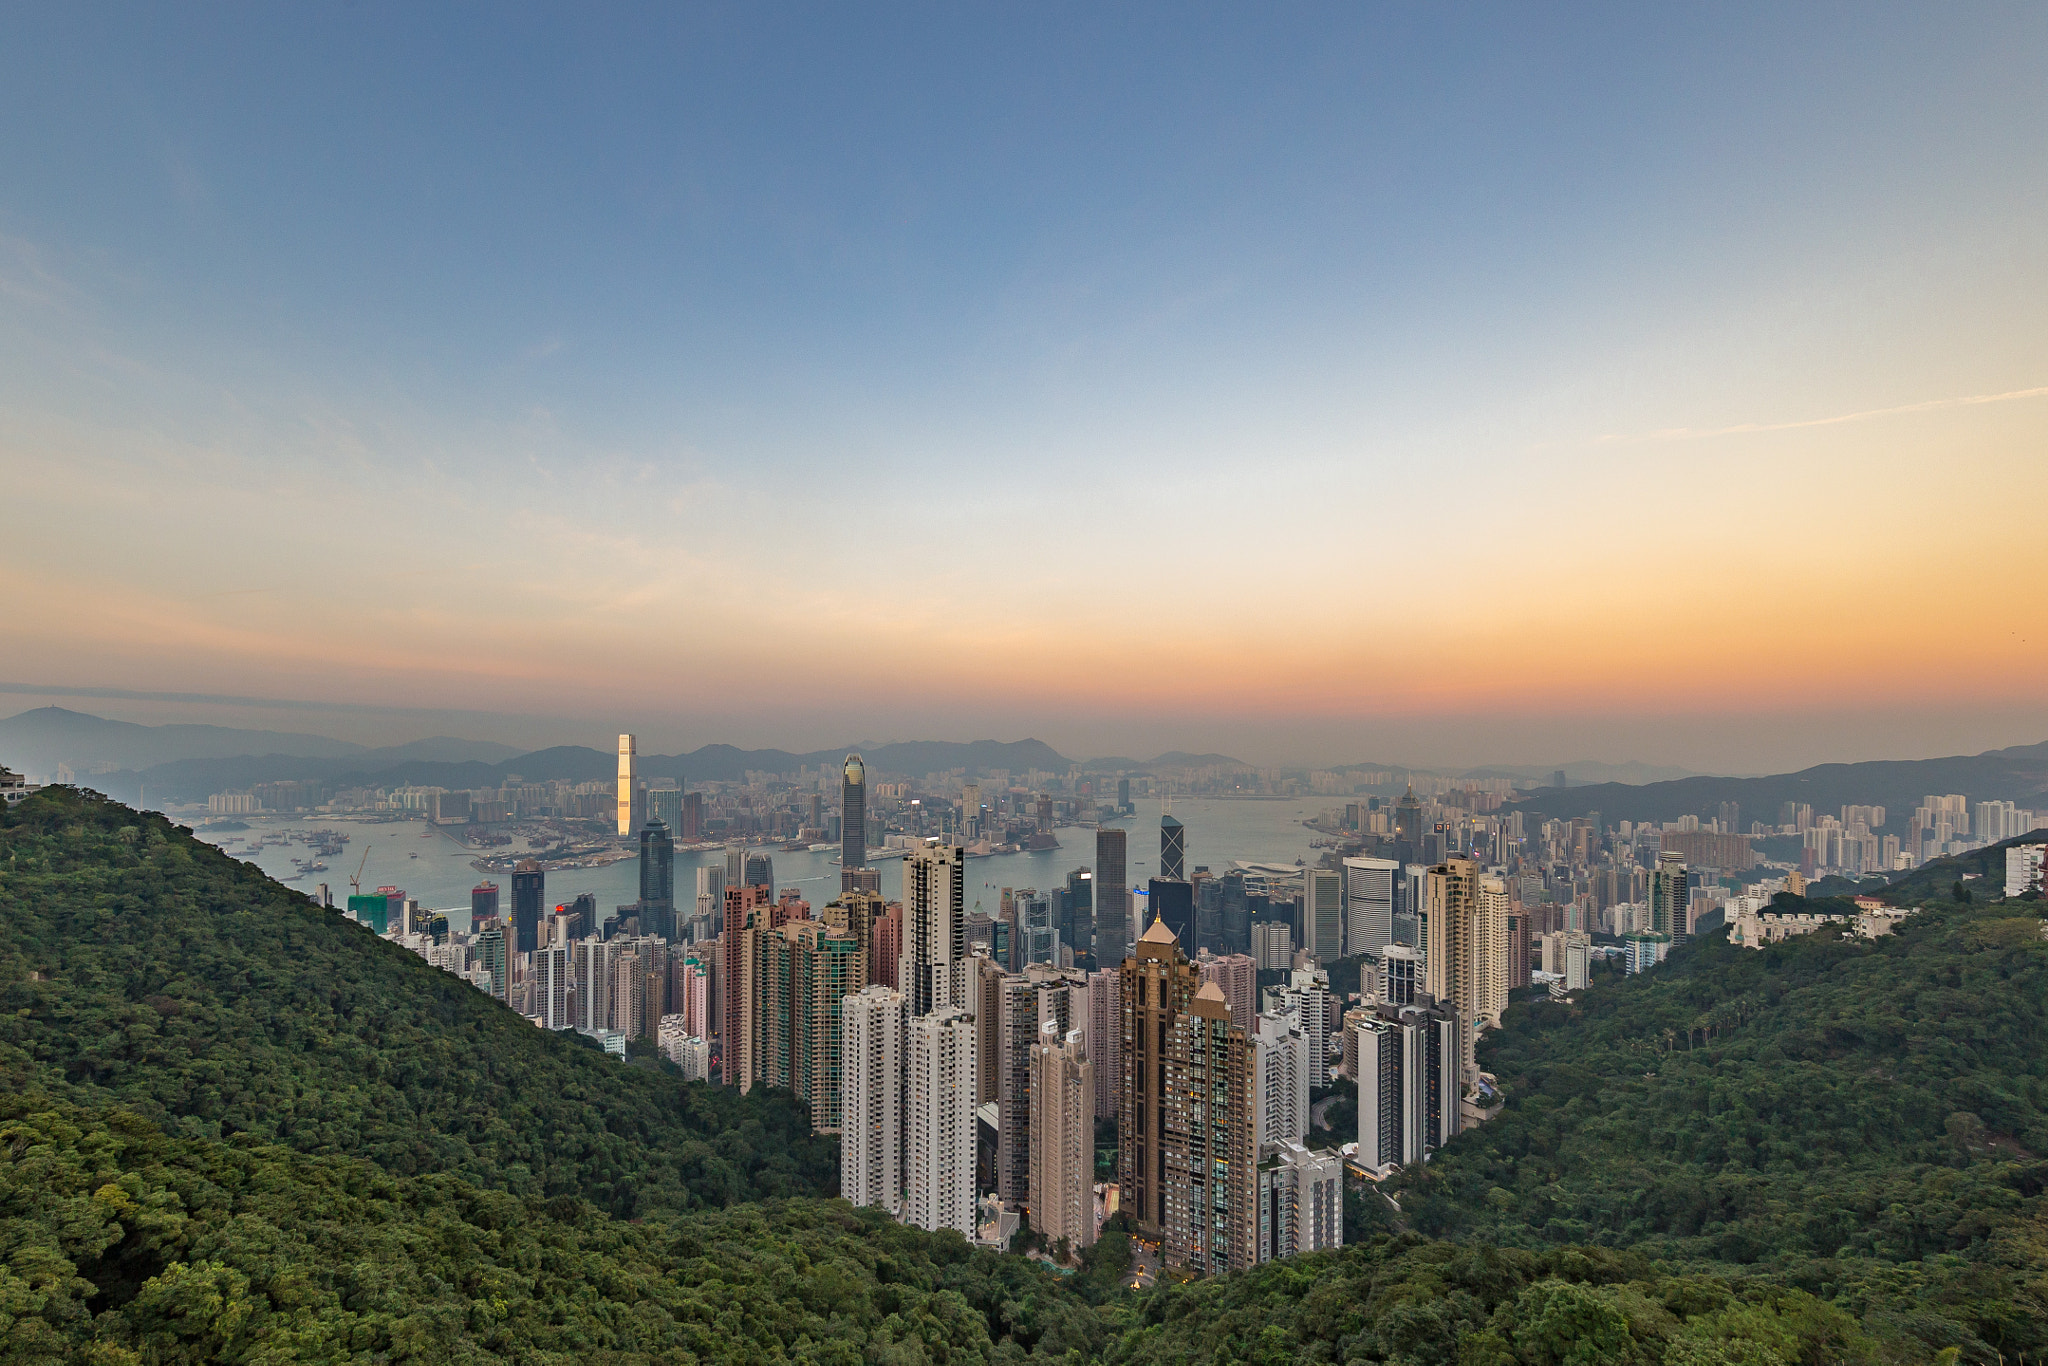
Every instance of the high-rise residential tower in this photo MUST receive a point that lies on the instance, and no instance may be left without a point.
(631, 798)
(1157, 983)
(1042, 994)
(1106, 1037)
(1236, 976)
(1062, 1138)
(871, 1073)
(1454, 967)
(552, 981)
(853, 818)
(1211, 1139)
(934, 963)
(940, 1122)
(1301, 1202)
(1493, 945)
(1407, 1085)
(1670, 897)
(1283, 1080)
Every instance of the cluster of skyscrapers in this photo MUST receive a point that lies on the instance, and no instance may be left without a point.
(966, 1060)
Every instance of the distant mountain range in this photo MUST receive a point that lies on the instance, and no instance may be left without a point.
(39, 740)
(1584, 772)
(182, 763)
(2018, 774)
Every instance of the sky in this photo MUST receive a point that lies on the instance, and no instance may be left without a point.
(1428, 385)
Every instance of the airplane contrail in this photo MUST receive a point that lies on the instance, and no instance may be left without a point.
(1754, 428)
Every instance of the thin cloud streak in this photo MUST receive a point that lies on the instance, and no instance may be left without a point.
(1932, 405)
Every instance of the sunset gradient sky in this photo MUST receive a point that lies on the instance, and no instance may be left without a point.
(1316, 384)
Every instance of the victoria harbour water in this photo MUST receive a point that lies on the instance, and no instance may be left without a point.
(434, 868)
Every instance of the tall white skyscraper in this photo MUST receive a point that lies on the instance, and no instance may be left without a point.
(938, 1159)
(1282, 1081)
(933, 968)
(871, 1078)
(593, 967)
(552, 974)
(1369, 905)
(1307, 996)
(632, 801)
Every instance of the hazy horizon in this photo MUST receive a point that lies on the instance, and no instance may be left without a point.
(381, 727)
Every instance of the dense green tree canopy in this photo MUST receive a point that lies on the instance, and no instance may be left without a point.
(141, 967)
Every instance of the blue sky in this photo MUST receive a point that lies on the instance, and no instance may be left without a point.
(908, 330)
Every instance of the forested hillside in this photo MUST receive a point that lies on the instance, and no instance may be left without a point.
(238, 1129)
(141, 967)
(1862, 1118)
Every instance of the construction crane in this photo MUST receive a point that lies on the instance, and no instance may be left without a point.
(355, 883)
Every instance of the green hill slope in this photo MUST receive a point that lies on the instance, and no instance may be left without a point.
(142, 968)
(125, 1245)
(1830, 1111)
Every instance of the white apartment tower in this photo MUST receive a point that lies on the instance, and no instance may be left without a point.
(552, 973)
(938, 1158)
(1281, 1081)
(871, 1063)
(1301, 1202)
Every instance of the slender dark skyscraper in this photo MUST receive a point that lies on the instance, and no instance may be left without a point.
(1173, 850)
(529, 890)
(1112, 896)
(1172, 904)
(1079, 931)
(657, 880)
(1408, 832)
(853, 819)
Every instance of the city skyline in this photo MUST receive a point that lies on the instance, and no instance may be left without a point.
(1615, 384)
